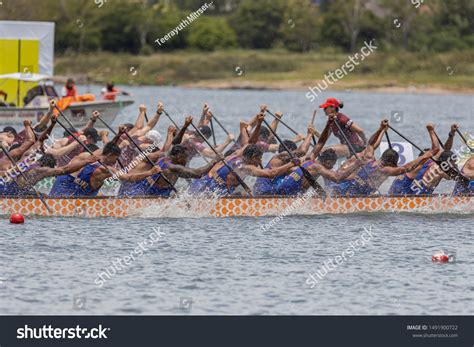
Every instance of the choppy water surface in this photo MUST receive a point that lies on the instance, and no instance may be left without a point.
(231, 266)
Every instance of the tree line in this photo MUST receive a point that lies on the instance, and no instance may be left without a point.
(132, 26)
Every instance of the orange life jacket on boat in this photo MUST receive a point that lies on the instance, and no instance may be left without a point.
(110, 95)
(64, 102)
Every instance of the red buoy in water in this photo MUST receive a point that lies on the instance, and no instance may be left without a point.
(441, 257)
(17, 218)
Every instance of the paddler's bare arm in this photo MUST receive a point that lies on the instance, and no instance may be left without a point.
(219, 148)
(37, 174)
(304, 147)
(275, 121)
(92, 120)
(154, 120)
(17, 153)
(138, 176)
(118, 138)
(169, 138)
(104, 136)
(395, 171)
(179, 137)
(375, 140)
(45, 119)
(256, 131)
(154, 156)
(45, 134)
(267, 173)
(59, 143)
(58, 153)
(311, 123)
(151, 124)
(448, 145)
(434, 148)
(244, 135)
(140, 122)
(251, 124)
(205, 119)
(186, 172)
(339, 175)
(435, 145)
(100, 175)
(75, 165)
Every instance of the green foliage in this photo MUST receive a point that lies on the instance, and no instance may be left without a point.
(257, 23)
(133, 26)
(119, 33)
(445, 41)
(332, 30)
(211, 33)
(300, 25)
(163, 24)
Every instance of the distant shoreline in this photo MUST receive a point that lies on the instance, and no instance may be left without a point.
(298, 86)
(302, 86)
(384, 72)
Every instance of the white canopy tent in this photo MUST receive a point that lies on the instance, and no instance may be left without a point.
(28, 77)
(41, 31)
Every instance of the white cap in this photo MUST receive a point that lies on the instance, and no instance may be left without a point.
(155, 136)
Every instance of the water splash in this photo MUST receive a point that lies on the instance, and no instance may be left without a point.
(184, 205)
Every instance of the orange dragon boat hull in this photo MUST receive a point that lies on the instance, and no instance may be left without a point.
(232, 206)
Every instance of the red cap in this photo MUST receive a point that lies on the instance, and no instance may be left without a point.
(330, 102)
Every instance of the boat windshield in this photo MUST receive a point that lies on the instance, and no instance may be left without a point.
(47, 90)
(50, 91)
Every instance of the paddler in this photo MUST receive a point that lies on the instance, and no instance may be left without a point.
(245, 162)
(172, 167)
(466, 186)
(403, 184)
(194, 143)
(141, 133)
(440, 166)
(7, 137)
(20, 150)
(69, 88)
(88, 180)
(267, 186)
(44, 167)
(259, 134)
(352, 130)
(374, 172)
(139, 164)
(296, 183)
(110, 92)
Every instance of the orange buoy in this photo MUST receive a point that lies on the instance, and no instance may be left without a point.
(441, 257)
(17, 218)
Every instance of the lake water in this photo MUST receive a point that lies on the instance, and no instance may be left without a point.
(231, 266)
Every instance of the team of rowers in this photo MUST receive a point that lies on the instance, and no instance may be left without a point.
(147, 166)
